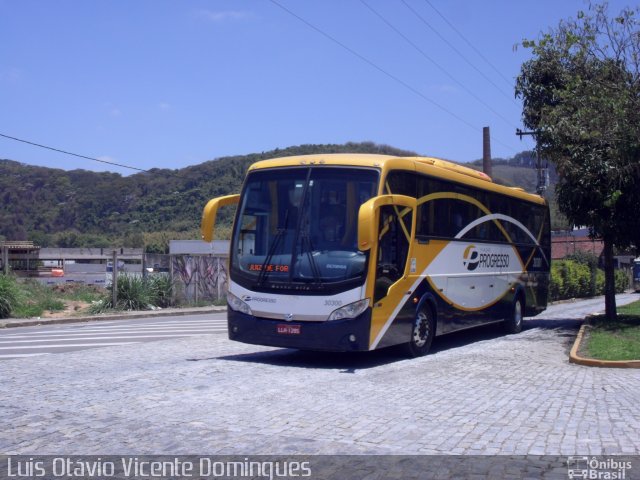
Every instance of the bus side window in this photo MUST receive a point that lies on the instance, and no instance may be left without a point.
(401, 183)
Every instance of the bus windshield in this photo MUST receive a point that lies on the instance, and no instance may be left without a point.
(299, 226)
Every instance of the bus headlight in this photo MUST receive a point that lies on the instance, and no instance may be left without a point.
(238, 305)
(350, 311)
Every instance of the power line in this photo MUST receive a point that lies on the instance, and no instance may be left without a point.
(72, 154)
(382, 70)
(478, 52)
(442, 69)
(370, 63)
(423, 20)
(171, 172)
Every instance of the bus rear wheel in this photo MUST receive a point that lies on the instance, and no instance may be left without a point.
(513, 323)
(422, 332)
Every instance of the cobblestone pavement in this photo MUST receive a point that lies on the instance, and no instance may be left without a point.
(481, 392)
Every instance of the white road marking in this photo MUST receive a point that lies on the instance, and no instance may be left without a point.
(93, 335)
(67, 338)
(94, 332)
(20, 355)
(69, 345)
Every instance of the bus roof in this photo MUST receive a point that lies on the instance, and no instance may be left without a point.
(432, 166)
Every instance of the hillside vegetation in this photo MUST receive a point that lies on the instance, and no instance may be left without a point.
(54, 207)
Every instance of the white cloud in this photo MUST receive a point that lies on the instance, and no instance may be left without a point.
(164, 106)
(10, 75)
(221, 16)
(112, 110)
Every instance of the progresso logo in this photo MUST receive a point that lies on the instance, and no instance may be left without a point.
(472, 259)
(248, 298)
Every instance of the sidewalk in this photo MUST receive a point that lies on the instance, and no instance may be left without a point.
(165, 312)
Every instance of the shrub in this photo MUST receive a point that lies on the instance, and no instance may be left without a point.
(9, 295)
(160, 289)
(133, 293)
(621, 281)
(556, 285)
(579, 277)
(99, 306)
(570, 279)
(137, 293)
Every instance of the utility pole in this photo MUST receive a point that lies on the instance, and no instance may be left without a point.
(486, 151)
(5, 259)
(543, 173)
(114, 279)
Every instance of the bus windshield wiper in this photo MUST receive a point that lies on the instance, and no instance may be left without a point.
(306, 239)
(272, 249)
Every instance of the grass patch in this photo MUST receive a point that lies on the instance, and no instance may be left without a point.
(34, 299)
(78, 292)
(26, 298)
(630, 309)
(619, 340)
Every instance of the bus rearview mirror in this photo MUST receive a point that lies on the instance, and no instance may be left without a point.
(209, 214)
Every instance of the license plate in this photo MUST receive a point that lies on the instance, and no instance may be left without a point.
(283, 329)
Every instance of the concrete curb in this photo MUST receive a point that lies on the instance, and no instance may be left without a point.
(592, 362)
(30, 322)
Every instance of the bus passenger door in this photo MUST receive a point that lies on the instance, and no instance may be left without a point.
(386, 227)
(392, 313)
(394, 240)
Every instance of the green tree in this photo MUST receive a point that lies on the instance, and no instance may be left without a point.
(581, 95)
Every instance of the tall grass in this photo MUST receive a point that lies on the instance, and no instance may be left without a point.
(26, 299)
(161, 290)
(137, 293)
(9, 295)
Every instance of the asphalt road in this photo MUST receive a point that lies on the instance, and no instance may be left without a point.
(43, 340)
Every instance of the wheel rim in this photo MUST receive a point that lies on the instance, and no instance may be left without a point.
(517, 313)
(421, 330)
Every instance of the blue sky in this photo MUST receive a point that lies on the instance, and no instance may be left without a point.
(156, 83)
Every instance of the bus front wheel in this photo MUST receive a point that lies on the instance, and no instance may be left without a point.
(513, 323)
(422, 332)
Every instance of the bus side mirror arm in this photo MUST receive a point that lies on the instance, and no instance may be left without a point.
(367, 217)
(209, 214)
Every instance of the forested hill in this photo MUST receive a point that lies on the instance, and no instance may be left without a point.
(76, 208)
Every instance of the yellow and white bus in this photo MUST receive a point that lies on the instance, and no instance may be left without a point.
(345, 252)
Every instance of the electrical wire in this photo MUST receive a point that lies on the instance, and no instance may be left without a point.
(423, 20)
(384, 72)
(478, 52)
(437, 65)
(122, 165)
(372, 64)
(72, 154)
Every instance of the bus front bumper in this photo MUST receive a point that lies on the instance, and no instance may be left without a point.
(346, 335)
